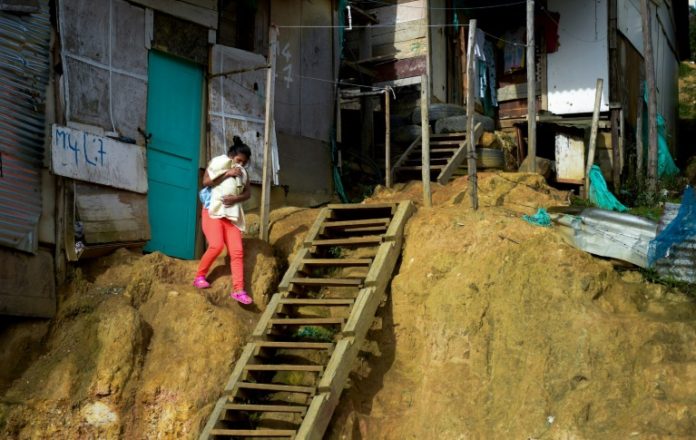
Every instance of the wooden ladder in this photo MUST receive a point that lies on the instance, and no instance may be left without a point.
(447, 153)
(289, 378)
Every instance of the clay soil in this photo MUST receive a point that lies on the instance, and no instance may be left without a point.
(495, 329)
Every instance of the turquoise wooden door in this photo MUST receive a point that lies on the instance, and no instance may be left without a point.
(174, 101)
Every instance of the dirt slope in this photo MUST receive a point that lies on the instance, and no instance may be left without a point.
(134, 352)
(497, 329)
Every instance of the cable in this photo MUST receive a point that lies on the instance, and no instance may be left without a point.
(462, 8)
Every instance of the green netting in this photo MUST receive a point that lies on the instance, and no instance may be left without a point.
(541, 218)
(665, 163)
(600, 195)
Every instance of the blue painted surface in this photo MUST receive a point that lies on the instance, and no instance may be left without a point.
(174, 105)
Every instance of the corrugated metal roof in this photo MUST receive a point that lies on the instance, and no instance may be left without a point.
(24, 74)
(680, 262)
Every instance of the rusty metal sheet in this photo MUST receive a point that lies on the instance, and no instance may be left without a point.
(24, 74)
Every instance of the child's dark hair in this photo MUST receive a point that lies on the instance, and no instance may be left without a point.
(239, 147)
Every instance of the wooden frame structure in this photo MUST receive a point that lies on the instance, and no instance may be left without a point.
(286, 383)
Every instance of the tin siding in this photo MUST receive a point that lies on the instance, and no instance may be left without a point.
(24, 70)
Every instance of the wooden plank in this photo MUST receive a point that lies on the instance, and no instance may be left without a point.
(336, 261)
(98, 159)
(425, 140)
(407, 153)
(381, 269)
(387, 138)
(356, 223)
(401, 13)
(110, 215)
(244, 358)
(470, 110)
(350, 241)
(317, 302)
(360, 206)
(213, 420)
(318, 416)
(268, 133)
(458, 157)
(203, 16)
(531, 88)
(208, 4)
(254, 432)
(335, 282)
(264, 322)
(398, 223)
(398, 73)
(265, 408)
(593, 135)
(313, 232)
(420, 168)
(307, 321)
(366, 230)
(293, 270)
(339, 366)
(295, 345)
(284, 367)
(280, 388)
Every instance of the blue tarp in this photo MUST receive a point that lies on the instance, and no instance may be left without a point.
(682, 228)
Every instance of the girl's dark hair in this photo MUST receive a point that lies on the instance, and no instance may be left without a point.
(239, 147)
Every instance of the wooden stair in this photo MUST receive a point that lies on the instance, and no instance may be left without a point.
(447, 154)
(288, 380)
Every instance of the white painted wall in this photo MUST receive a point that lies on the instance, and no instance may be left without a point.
(583, 56)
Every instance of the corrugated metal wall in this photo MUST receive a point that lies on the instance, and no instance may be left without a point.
(24, 71)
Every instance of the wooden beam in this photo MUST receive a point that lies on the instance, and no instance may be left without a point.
(425, 141)
(387, 139)
(268, 130)
(186, 11)
(265, 408)
(531, 88)
(616, 148)
(593, 134)
(254, 433)
(407, 153)
(640, 173)
(470, 110)
(652, 95)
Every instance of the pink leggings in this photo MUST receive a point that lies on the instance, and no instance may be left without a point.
(220, 232)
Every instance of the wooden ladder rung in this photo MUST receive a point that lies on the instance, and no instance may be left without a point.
(283, 367)
(254, 432)
(356, 223)
(265, 408)
(336, 282)
(341, 207)
(420, 167)
(276, 387)
(337, 261)
(316, 302)
(366, 229)
(448, 135)
(448, 142)
(295, 345)
(307, 321)
(348, 241)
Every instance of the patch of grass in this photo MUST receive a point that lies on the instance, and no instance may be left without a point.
(652, 276)
(650, 212)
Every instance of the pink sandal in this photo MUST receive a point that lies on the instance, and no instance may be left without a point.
(242, 297)
(201, 283)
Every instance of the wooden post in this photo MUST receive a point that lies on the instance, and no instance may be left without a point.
(425, 141)
(615, 116)
(463, 50)
(387, 139)
(269, 128)
(531, 88)
(640, 148)
(470, 110)
(652, 96)
(593, 134)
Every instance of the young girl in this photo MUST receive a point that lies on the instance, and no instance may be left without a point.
(225, 230)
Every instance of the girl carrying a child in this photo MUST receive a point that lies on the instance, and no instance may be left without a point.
(225, 187)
